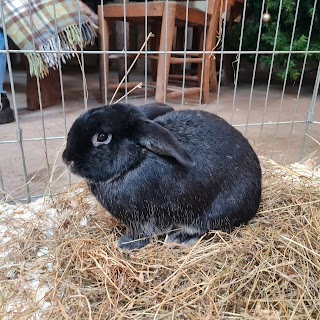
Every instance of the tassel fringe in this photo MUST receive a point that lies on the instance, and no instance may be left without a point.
(68, 40)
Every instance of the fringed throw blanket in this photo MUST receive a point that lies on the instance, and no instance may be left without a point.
(48, 25)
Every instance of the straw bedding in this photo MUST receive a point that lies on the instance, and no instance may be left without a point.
(58, 260)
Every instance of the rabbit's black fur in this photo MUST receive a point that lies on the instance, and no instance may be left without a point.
(183, 173)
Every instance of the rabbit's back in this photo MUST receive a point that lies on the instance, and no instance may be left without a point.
(214, 144)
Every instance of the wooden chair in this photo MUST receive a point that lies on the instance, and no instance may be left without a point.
(163, 18)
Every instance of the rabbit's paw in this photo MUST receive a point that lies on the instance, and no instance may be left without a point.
(185, 239)
(128, 243)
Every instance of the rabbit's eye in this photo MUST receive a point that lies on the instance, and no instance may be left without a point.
(101, 138)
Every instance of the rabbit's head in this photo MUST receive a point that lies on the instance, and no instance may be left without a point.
(107, 142)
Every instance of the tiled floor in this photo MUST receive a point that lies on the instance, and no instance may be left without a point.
(283, 142)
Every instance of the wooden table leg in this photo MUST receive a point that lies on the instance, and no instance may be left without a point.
(166, 41)
(104, 57)
(49, 88)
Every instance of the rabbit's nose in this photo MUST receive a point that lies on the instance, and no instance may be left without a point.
(67, 157)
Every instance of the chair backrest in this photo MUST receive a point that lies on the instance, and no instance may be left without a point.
(215, 11)
(201, 5)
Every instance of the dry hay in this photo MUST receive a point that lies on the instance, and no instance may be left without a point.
(59, 261)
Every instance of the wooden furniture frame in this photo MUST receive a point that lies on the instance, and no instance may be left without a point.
(164, 17)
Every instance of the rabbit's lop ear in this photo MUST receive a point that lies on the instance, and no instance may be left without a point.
(161, 141)
(155, 109)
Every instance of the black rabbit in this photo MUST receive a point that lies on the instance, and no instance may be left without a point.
(159, 171)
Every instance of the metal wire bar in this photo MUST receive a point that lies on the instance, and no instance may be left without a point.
(302, 76)
(105, 89)
(238, 60)
(286, 76)
(32, 139)
(271, 68)
(146, 52)
(152, 52)
(310, 113)
(255, 65)
(125, 50)
(203, 51)
(2, 189)
(270, 123)
(165, 54)
(221, 58)
(39, 94)
(43, 126)
(235, 125)
(185, 53)
(14, 102)
(61, 79)
(82, 65)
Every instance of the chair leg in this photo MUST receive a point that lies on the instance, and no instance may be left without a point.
(197, 34)
(179, 46)
(155, 42)
(208, 62)
(121, 29)
(213, 67)
(213, 74)
(166, 41)
(206, 71)
(200, 66)
(206, 77)
(104, 58)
